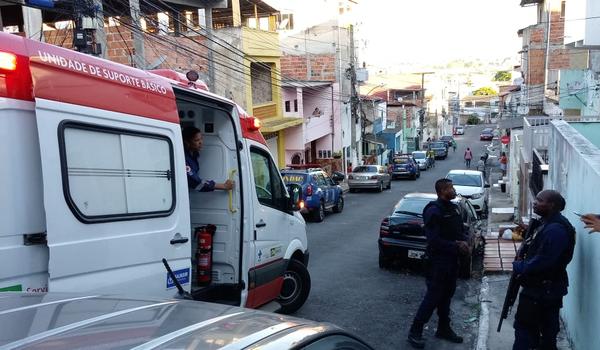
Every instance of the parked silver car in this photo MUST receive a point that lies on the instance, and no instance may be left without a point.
(421, 158)
(369, 176)
(68, 321)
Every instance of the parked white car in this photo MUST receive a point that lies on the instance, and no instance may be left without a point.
(459, 130)
(471, 184)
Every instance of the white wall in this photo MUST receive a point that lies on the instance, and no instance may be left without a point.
(577, 29)
(575, 173)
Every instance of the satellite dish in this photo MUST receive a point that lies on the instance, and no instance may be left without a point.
(523, 110)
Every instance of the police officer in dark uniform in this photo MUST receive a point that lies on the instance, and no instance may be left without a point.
(541, 267)
(446, 242)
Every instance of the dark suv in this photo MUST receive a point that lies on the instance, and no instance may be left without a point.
(320, 192)
(401, 235)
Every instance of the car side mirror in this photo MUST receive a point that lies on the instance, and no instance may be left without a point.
(295, 202)
(338, 177)
(487, 185)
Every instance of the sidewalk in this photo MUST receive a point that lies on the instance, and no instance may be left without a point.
(497, 259)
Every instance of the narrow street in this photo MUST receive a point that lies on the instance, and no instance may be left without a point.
(350, 290)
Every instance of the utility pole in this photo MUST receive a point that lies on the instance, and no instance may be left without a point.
(354, 98)
(422, 115)
(139, 60)
(209, 36)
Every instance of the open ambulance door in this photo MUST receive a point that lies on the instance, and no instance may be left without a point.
(115, 206)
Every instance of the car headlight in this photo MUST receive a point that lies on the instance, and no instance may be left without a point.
(477, 196)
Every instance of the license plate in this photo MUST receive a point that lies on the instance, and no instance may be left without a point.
(415, 254)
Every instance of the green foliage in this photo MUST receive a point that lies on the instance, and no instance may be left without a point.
(502, 75)
(473, 120)
(485, 91)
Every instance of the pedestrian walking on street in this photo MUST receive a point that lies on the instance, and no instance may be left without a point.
(446, 242)
(503, 163)
(541, 269)
(453, 145)
(481, 166)
(468, 157)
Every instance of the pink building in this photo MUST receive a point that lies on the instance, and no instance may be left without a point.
(319, 137)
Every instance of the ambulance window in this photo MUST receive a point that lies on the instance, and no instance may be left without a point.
(268, 185)
(111, 174)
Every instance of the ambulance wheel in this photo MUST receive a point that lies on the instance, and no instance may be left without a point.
(295, 288)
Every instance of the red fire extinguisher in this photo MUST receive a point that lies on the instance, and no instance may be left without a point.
(204, 237)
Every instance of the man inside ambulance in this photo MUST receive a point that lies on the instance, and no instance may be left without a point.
(192, 144)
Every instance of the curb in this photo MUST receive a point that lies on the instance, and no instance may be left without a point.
(484, 316)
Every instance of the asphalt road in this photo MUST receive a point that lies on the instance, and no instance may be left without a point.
(350, 290)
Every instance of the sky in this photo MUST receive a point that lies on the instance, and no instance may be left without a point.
(441, 30)
(431, 31)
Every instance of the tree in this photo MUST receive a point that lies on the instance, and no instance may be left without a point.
(485, 91)
(502, 75)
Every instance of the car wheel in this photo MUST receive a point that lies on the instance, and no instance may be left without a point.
(295, 288)
(466, 267)
(380, 188)
(384, 261)
(319, 215)
(352, 190)
(413, 177)
(339, 206)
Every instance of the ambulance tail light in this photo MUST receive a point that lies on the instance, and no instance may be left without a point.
(8, 61)
(254, 124)
(15, 77)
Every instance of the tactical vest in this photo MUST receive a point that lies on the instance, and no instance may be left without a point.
(559, 270)
(451, 223)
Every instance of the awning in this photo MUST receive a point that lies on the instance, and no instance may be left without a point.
(276, 124)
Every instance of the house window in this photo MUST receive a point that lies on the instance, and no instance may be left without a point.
(111, 174)
(295, 105)
(262, 90)
(287, 106)
(286, 21)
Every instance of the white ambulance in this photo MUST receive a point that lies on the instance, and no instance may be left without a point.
(94, 194)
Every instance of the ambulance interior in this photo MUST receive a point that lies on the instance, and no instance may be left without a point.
(218, 161)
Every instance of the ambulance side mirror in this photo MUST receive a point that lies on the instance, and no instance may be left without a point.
(295, 201)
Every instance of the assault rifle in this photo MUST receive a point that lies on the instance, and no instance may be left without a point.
(509, 299)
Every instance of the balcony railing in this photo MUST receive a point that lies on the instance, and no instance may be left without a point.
(539, 168)
(536, 135)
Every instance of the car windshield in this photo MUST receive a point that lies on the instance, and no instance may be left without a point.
(465, 180)
(400, 160)
(365, 169)
(419, 155)
(438, 145)
(291, 178)
(411, 205)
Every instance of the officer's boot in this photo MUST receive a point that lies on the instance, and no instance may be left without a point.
(445, 332)
(415, 335)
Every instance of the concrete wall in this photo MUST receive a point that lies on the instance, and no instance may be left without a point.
(294, 143)
(317, 127)
(575, 172)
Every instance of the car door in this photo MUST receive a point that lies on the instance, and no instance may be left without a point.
(110, 192)
(272, 224)
(332, 189)
(325, 190)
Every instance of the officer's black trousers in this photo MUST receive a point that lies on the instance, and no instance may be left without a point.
(441, 285)
(536, 323)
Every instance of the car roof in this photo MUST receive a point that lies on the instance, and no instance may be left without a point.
(418, 152)
(428, 196)
(80, 321)
(465, 172)
(446, 136)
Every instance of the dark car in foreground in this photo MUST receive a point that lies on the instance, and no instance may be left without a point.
(401, 235)
(439, 149)
(486, 134)
(405, 166)
(70, 321)
(320, 192)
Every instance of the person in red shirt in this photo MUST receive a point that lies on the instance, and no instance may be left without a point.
(503, 163)
(468, 157)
